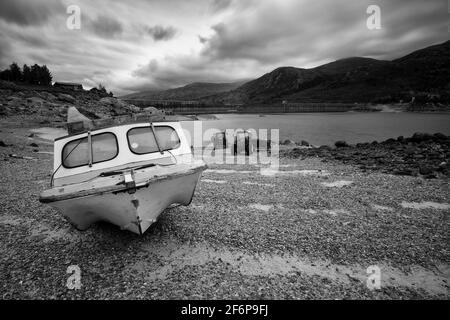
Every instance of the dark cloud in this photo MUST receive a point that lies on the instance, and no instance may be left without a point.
(219, 5)
(26, 13)
(106, 26)
(221, 40)
(31, 40)
(309, 32)
(180, 70)
(260, 37)
(13, 40)
(160, 33)
(5, 48)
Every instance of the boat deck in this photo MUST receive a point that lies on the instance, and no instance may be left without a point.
(115, 183)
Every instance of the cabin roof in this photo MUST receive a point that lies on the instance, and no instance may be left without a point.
(112, 125)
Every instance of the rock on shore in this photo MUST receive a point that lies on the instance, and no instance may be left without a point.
(51, 103)
(422, 154)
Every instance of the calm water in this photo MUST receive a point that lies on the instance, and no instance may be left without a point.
(319, 128)
(326, 128)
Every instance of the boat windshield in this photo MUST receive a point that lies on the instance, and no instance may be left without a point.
(76, 152)
(141, 140)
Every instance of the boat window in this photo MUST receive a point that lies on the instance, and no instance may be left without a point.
(141, 140)
(76, 152)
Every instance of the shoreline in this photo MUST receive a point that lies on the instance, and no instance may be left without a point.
(422, 154)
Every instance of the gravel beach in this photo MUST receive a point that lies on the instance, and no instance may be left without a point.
(307, 232)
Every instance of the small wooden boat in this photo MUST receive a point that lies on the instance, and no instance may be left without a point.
(126, 174)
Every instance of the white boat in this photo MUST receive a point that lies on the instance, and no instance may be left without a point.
(125, 174)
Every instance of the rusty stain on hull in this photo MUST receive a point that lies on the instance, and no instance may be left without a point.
(135, 203)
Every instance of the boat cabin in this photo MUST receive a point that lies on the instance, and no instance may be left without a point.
(84, 156)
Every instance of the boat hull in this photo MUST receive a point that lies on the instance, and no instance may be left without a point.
(133, 209)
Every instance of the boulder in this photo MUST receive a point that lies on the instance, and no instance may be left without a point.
(425, 170)
(304, 143)
(119, 106)
(35, 101)
(7, 85)
(444, 167)
(15, 102)
(420, 137)
(151, 110)
(52, 105)
(133, 108)
(108, 101)
(340, 144)
(48, 96)
(288, 142)
(403, 172)
(410, 150)
(113, 102)
(5, 110)
(66, 98)
(389, 141)
(440, 136)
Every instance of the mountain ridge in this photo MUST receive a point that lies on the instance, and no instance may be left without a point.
(191, 91)
(421, 74)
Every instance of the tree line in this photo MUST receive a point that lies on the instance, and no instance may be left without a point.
(36, 74)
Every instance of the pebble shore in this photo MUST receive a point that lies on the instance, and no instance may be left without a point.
(422, 154)
(307, 232)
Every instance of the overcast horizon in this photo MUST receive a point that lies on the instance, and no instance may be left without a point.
(150, 45)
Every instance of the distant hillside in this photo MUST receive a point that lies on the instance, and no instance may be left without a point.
(193, 91)
(423, 74)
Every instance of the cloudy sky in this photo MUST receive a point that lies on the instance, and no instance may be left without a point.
(157, 44)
